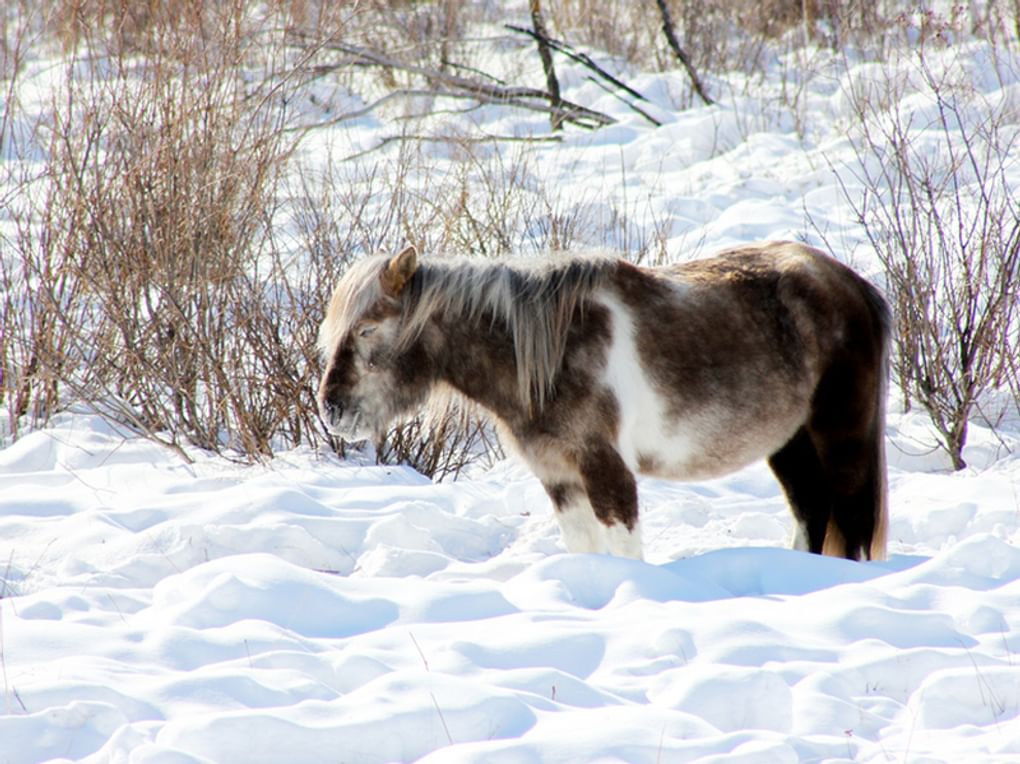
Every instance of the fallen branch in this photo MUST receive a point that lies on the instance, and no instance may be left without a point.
(582, 58)
(460, 87)
(625, 102)
(454, 139)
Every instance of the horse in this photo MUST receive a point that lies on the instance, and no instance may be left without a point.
(598, 370)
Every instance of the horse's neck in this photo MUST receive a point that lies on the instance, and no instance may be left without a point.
(476, 357)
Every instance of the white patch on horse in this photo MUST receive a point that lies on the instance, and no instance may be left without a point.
(646, 429)
(710, 439)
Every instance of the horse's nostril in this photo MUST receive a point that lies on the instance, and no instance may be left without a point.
(332, 411)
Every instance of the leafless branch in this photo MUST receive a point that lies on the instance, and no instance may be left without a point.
(669, 30)
(458, 139)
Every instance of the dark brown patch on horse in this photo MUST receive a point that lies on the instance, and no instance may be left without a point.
(561, 493)
(610, 485)
(539, 308)
(568, 441)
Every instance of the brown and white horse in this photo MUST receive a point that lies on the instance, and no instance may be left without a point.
(597, 369)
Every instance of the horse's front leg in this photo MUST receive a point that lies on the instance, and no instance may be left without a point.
(596, 502)
(580, 530)
(612, 492)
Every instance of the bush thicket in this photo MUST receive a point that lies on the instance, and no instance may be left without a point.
(169, 242)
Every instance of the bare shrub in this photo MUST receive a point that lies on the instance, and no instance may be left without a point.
(720, 35)
(343, 213)
(142, 260)
(629, 31)
(442, 443)
(40, 303)
(29, 335)
(932, 188)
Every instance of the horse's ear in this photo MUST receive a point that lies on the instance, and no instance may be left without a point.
(399, 271)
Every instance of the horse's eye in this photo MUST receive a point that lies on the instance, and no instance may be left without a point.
(365, 331)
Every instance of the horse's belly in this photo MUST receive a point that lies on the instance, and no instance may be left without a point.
(701, 446)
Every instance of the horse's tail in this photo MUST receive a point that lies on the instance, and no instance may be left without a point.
(868, 535)
(882, 317)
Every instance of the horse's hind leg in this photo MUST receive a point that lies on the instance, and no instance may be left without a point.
(799, 470)
(854, 465)
(847, 427)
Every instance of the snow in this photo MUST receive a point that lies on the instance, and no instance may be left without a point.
(313, 609)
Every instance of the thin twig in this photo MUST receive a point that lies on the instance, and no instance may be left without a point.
(628, 104)
(7, 574)
(421, 653)
(435, 702)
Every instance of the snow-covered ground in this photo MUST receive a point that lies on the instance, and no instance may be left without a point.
(317, 610)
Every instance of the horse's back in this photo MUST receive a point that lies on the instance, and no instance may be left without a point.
(797, 300)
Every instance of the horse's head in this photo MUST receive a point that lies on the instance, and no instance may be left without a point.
(371, 375)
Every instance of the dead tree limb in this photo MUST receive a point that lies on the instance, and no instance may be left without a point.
(459, 139)
(582, 58)
(628, 104)
(447, 84)
(585, 60)
(669, 31)
(551, 83)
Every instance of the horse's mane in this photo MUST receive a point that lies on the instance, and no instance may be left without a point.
(535, 301)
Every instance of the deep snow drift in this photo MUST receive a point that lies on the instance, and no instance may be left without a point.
(318, 610)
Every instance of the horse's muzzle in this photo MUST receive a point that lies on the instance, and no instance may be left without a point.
(332, 415)
(342, 421)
